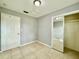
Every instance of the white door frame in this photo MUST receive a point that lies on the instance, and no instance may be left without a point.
(64, 14)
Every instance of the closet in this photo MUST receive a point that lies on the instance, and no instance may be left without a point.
(10, 31)
(71, 30)
(65, 32)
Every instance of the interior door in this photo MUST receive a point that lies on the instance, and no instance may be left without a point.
(10, 31)
(58, 33)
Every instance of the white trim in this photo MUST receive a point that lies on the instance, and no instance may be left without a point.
(27, 43)
(64, 14)
(68, 13)
(51, 33)
(20, 45)
(1, 51)
(33, 42)
(43, 43)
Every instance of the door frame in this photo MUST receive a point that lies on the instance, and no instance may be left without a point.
(63, 14)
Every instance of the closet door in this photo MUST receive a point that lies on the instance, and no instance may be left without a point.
(58, 33)
(10, 31)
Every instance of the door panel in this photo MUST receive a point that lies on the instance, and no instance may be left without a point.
(58, 33)
(3, 32)
(12, 28)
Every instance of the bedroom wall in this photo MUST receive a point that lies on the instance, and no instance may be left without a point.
(44, 30)
(44, 23)
(28, 29)
(28, 26)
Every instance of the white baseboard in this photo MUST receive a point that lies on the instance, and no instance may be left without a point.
(1, 51)
(43, 43)
(38, 42)
(33, 42)
(27, 43)
(20, 45)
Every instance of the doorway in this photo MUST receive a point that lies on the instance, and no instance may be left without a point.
(70, 29)
(71, 35)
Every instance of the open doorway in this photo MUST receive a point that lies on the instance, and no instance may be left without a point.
(68, 36)
(71, 31)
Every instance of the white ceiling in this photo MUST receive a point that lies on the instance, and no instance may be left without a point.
(46, 7)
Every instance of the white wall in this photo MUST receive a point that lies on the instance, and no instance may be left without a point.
(44, 27)
(28, 29)
(28, 26)
(44, 34)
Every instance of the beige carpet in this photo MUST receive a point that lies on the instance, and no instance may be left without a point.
(38, 51)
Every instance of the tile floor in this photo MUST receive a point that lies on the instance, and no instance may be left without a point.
(38, 51)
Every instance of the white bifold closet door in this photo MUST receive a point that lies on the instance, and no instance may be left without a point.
(58, 33)
(10, 31)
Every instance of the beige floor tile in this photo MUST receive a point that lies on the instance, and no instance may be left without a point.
(26, 51)
(38, 51)
(42, 55)
(15, 51)
(17, 57)
(6, 54)
(31, 56)
(0, 55)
